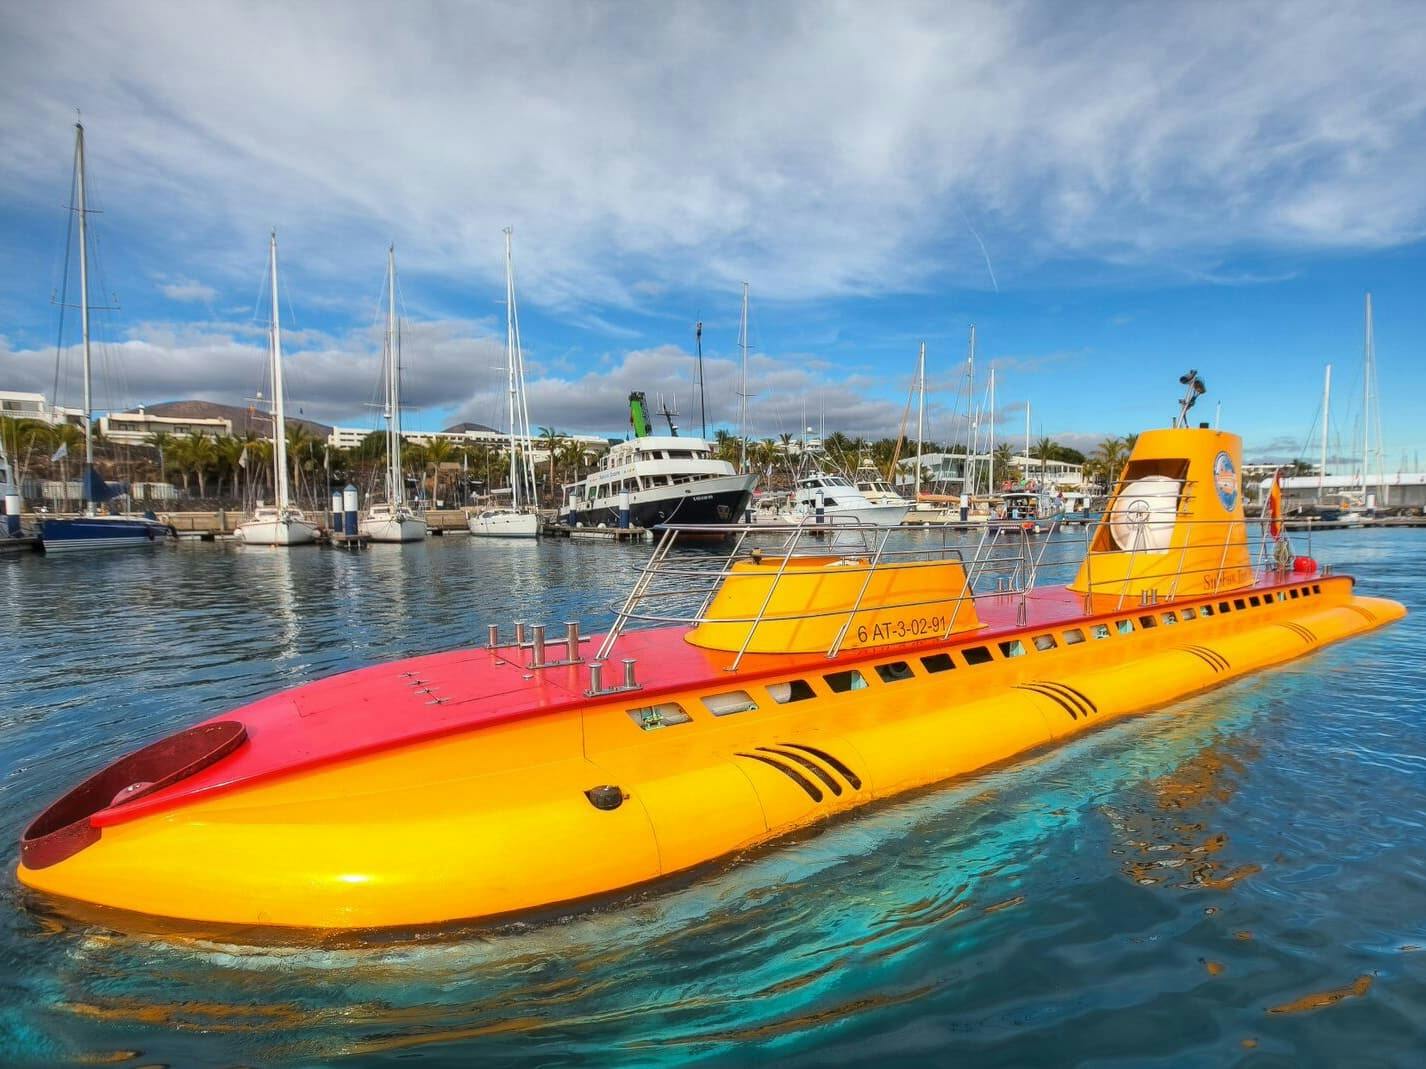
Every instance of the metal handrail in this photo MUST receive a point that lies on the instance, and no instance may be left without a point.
(679, 578)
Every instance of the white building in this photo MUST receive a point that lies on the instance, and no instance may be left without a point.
(948, 470)
(351, 437)
(19, 405)
(136, 428)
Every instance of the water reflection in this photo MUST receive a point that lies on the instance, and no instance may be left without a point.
(1091, 904)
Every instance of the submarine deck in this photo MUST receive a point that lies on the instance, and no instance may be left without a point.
(404, 702)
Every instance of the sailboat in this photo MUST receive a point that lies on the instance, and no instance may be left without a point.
(393, 519)
(519, 519)
(92, 530)
(279, 524)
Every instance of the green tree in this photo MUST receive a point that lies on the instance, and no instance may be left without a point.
(440, 451)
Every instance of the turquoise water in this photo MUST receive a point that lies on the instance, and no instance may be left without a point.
(1241, 876)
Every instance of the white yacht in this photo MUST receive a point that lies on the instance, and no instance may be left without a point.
(279, 524)
(519, 519)
(822, 497)
(392, 520)
(658, 479)
(870, 484)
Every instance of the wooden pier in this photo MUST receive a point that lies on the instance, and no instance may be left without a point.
(594, 534)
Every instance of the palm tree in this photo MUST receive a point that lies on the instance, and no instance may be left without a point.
(1003, 456)
(229, 456)
(1108, 460)
(440, 451)
(550, 440)
(1043, 450)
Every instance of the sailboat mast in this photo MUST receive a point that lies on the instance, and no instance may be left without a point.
(973, 411)
(990, 467)
(395, 485)
(510, 361)
(920, 415)
(84, 312)
(1326, 410)
(1027, 433)
(743, 388)
(279, 416)
(1366, 395)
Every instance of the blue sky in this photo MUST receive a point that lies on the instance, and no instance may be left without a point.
(1111, 193)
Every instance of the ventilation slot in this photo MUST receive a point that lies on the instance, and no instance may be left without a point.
(1366, 614)
(822, 755)
(1068, 699)
(797, 777)
(1212, 658)
(811, 766)
(1075, 695)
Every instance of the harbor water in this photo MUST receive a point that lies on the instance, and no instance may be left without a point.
(1238, 877)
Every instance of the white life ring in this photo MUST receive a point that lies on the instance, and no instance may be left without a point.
(1143, 517)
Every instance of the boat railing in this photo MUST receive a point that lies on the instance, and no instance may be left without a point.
(678, 582)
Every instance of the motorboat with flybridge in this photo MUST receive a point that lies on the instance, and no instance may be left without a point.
(738, 698)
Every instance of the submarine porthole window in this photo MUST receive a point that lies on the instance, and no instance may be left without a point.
(1147, 622)
(1255, 601)
(1316, 589)
(794, 690)
(1293, 592)
(1239, 603)
(1073, 637)
(1223, 606)
(1101, 630)
(1170, 617)
(729, 702)
(938, 662)
(1205, 610)
(662, 715)
(841, 682)
(1045, 642)
(1125, 626)
(894, 672)
(1013, 648)
(977, 655)
(1190, 613)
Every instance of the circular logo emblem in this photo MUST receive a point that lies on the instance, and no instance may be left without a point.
(1225, 480)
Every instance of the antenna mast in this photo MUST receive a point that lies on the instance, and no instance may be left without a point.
(702, 405)
(743, 388)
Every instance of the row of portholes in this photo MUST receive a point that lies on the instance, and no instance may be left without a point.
(728, 703)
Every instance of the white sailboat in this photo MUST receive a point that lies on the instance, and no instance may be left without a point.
(519, 519)
(392, 520)
(91, 529)
(279, 524)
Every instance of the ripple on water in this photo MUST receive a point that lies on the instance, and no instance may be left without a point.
(1240, 873)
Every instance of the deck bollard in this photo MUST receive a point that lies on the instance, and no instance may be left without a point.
(349, 511)
(629, 682)
(494, 632)
(571, 640)
(537, 646)
(519, 634)
(596, 677)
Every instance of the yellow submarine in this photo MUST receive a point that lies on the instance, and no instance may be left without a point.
(783, 685)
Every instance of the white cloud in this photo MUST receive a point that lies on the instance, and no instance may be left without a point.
(819, 150)
(185, 289)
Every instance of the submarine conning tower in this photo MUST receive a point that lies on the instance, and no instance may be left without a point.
(1174, 525)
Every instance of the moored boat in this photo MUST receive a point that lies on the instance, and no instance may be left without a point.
(654, 479)
(519, 519)
(92, 530)
(392, 520)
(804, 683)
(281, 523)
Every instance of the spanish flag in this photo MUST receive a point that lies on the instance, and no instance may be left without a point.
(1273, 506)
